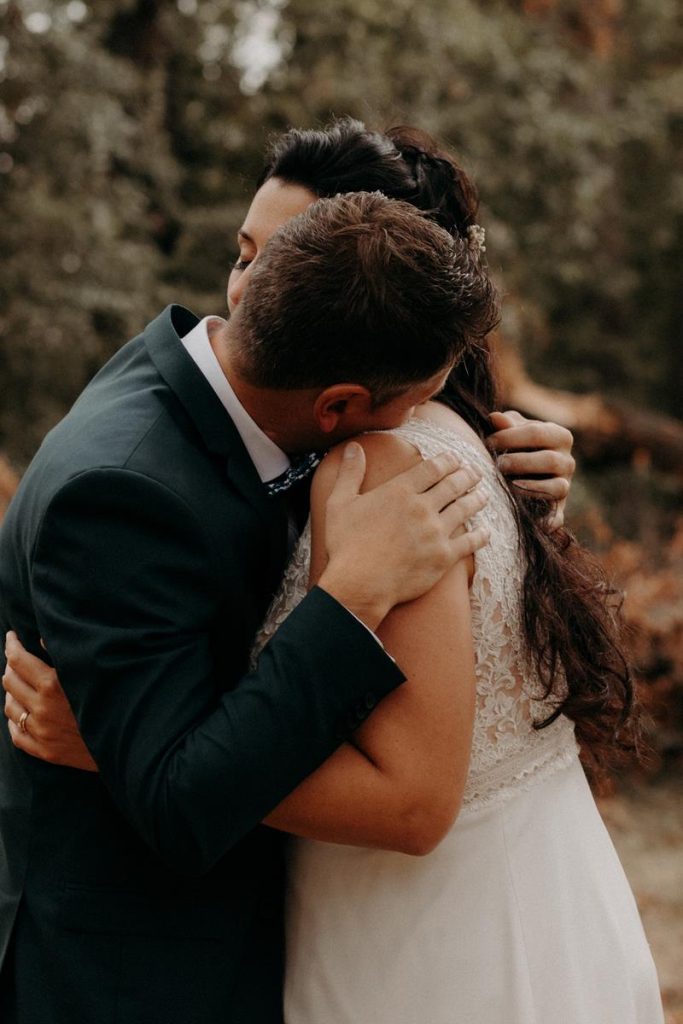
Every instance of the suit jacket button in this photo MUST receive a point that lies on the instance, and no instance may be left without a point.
(370, 700)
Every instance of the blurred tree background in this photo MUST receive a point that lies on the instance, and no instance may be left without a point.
(131, 132)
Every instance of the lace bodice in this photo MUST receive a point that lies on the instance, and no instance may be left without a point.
(507, 752)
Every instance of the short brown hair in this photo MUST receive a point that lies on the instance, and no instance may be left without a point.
(365, 289)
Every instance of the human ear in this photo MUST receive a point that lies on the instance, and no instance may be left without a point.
(338, 404)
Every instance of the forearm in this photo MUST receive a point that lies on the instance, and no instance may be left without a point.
(399, 787)
(352, 801)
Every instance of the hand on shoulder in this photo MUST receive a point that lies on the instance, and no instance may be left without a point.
(387, 524)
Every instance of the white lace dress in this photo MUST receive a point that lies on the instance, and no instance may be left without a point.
(522, 915)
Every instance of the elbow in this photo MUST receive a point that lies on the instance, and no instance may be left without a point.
(193, 847)
(178, 849)
(188, 844)
(421, 845)
(420, 842)
(187, 852)
(184, 860)
(425, 824)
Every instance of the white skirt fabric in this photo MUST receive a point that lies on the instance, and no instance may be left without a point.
(522, 915)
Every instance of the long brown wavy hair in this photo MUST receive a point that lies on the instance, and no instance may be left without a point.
(571, 621)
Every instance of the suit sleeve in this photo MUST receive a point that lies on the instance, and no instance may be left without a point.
(125, 595)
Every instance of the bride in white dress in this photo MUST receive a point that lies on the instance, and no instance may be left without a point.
(522, 913)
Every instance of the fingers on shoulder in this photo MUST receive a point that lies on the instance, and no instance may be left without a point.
(386, 456)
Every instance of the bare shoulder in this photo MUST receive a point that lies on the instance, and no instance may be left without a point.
(386, 456)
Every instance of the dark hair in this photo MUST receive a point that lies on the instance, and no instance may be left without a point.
(572, 633)
(361, 288)
(403, 163)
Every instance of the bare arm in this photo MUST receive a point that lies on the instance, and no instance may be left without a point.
(399, 787)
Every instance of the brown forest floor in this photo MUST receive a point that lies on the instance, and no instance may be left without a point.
(646, 824)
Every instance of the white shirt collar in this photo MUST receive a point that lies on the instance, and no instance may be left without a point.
(269, 460)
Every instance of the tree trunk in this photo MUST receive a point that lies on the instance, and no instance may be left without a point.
(8, 484)
(606, 430)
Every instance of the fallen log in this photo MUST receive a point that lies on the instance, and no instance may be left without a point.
(606, 430)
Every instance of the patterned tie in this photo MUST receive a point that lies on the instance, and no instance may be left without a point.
(301, 468)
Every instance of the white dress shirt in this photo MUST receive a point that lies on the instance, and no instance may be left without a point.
(269, 460)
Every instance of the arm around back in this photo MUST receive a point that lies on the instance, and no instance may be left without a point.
(400, 784)
(126, 593)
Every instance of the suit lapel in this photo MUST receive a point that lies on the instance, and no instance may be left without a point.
(183, 376)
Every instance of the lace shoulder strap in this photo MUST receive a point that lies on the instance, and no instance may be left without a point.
(431, 439)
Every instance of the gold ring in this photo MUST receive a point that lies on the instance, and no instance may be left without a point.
(22, 721)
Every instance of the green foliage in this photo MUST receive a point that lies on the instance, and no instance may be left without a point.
(131, 133)
(577, 156)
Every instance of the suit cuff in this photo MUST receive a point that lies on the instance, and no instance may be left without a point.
(366, 627)
(367, 656)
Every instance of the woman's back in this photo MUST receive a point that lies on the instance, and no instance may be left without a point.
(522, 914)
(507, 751)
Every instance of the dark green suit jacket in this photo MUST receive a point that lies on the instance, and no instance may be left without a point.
(143, 548)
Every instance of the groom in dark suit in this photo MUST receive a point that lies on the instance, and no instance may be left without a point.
(144, 546)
